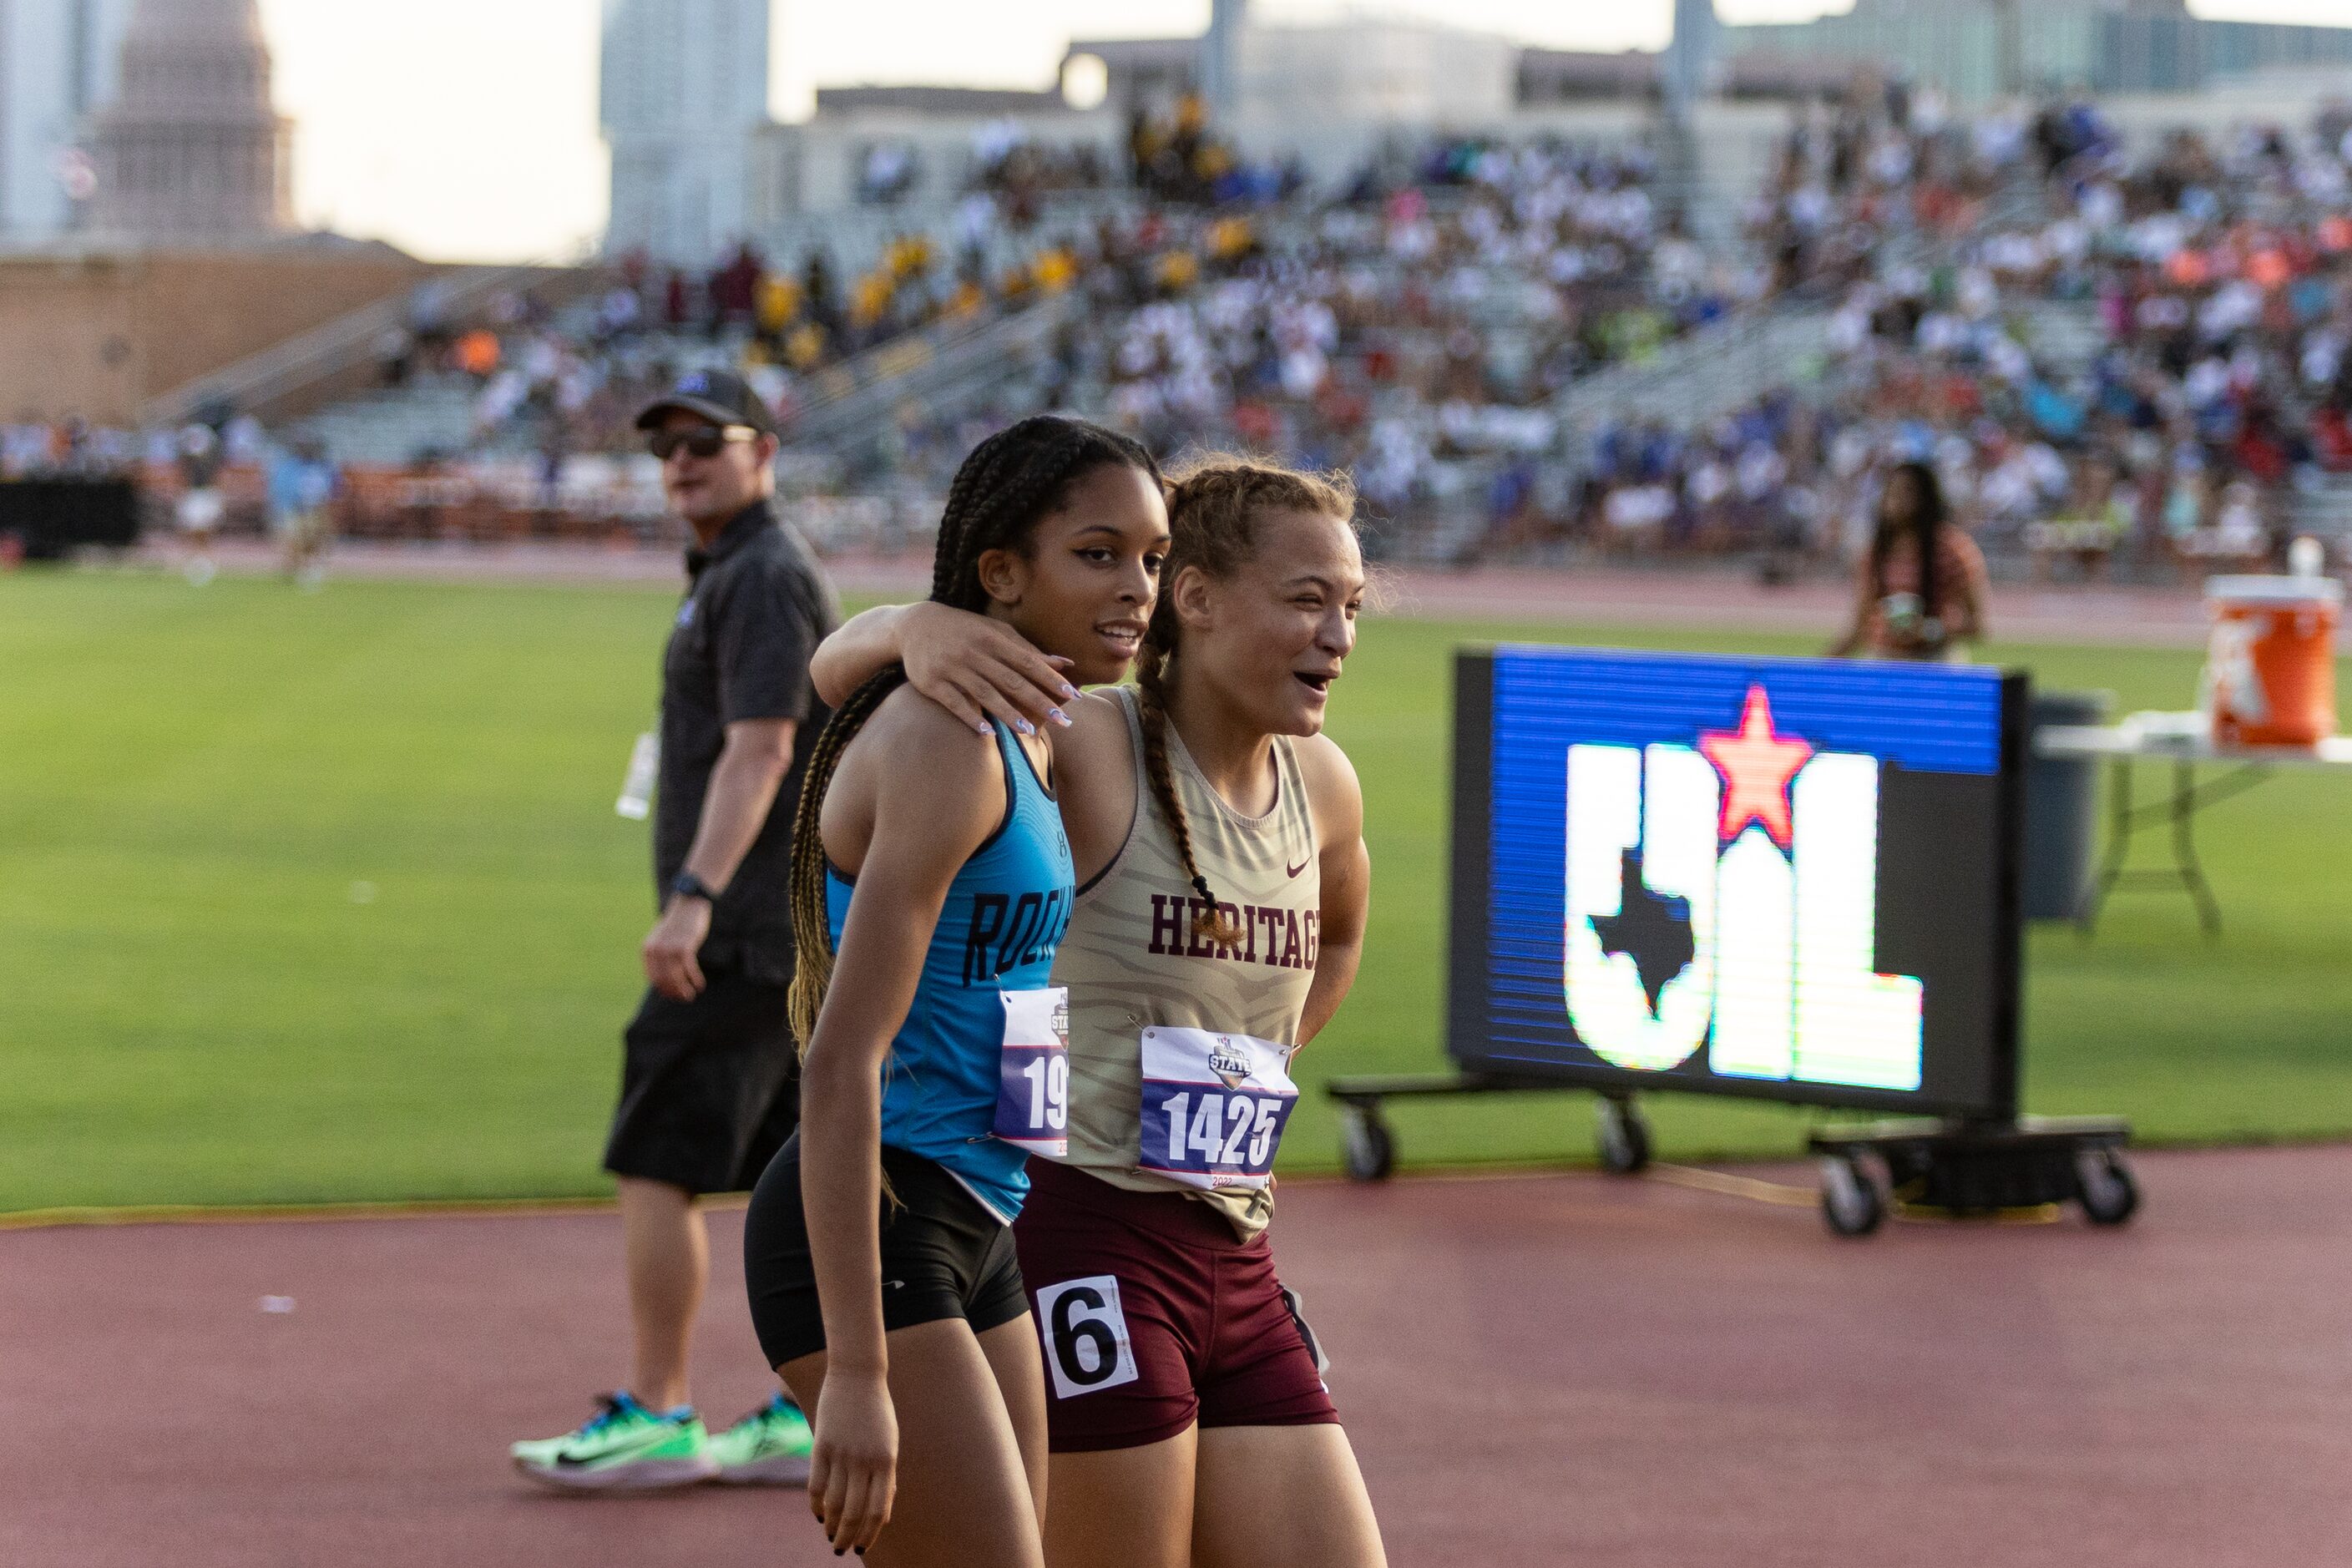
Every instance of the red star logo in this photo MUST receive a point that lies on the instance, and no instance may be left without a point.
(1757, 767)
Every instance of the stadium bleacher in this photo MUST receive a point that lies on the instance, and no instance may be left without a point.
(2116, 362)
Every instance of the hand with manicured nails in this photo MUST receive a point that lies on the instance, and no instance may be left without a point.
(671, 948)
(853, 1470)
(978, 669)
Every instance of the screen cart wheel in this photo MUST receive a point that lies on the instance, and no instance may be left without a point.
(1366, 1147)
(1850, 1202)
(1963, 1169)
(2106, 1191)
(1624, 1136)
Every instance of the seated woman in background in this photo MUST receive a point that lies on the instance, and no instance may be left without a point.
(2093, 526)
(1921, 587)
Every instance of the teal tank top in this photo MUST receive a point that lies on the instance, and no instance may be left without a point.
(1004, 915)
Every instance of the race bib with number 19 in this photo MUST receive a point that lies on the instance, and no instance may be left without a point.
(1033, 1076)
(1214, 1105)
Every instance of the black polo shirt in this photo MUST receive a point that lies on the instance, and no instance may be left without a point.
(756, 605)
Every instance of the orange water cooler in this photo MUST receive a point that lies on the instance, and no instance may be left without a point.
(2270, 668)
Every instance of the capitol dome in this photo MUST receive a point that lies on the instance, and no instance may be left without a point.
(191, 148)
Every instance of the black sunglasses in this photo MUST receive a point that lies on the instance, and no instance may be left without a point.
(702, 441)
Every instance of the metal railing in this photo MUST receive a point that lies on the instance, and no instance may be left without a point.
(264, 383)
(2322, 506)
(1709, 372)
(932, 368)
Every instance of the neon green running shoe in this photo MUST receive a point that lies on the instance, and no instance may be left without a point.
(623, 1447)
(768, 1447)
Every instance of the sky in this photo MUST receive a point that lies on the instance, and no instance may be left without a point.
(466, 130)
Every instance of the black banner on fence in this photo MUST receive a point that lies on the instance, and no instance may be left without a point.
(53, 516)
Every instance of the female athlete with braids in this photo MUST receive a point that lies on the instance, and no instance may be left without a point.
(1218, 839)
(931, 884)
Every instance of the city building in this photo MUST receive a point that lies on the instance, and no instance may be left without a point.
(145, 183)
(190, 147)
(59, 62)
(1689, 63)
(1368, 70)
(1137, 74)
(1981, 49)
(683, 96)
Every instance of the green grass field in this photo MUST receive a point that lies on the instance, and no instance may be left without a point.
(312, 898)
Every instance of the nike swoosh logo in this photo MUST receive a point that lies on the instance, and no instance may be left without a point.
(1296, 869)
(651, 1439)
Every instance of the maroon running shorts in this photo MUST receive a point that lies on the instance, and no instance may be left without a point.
(1155, 1317)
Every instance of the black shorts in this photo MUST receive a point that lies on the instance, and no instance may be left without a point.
(943, 1255)
(710, 1088)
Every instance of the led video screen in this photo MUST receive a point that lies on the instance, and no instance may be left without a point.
(1788, 879)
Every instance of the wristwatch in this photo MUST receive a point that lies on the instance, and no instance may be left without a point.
(689, 886)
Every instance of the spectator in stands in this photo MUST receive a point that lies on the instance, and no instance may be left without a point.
(428, 318)
(2097, 520)
(477, 353)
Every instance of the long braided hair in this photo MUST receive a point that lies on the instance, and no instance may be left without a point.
(1007, 483)
(1924, 525)
(1213, 506)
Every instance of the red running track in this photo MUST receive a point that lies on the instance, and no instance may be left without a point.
(1536, 1369)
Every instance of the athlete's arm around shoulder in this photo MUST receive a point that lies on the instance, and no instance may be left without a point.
(936, 792)
(1336, 801)
(975, 667)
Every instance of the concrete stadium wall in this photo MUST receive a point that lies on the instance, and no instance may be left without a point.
(100, 334)
(2286, 97)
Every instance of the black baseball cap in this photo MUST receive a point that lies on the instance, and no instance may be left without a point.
(719, 395)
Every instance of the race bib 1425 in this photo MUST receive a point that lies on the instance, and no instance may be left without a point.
(1214, 1105)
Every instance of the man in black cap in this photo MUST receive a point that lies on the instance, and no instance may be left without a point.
(709, 1085)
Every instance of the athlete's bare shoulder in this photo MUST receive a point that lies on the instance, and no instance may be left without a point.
(909, 723)
(1333, 792)
(917, 751)
(915, 776)
(1094, 774)
(1097, 726)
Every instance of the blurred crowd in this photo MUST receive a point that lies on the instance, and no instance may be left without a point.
(2103, 356)
(1857, 173)
(35, 448)
(1436, 301)
(1431, 310)
(2212, 291)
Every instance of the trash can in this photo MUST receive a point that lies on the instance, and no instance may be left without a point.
(2062, 811)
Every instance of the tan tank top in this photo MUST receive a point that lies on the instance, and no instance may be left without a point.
(1134, 957)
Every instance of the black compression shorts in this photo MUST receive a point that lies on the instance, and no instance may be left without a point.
(944, 1254)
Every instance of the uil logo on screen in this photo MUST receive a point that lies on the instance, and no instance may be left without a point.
(1724, 895)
